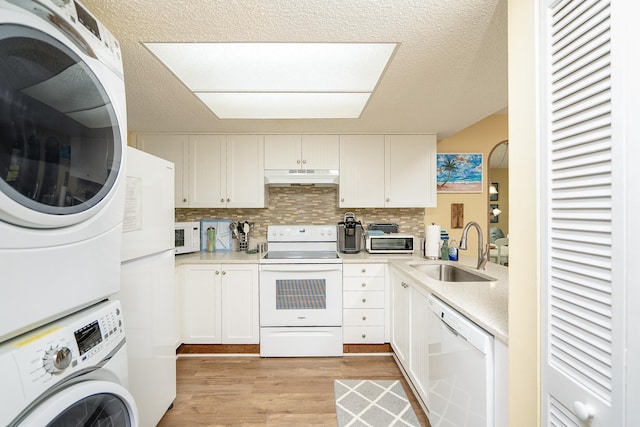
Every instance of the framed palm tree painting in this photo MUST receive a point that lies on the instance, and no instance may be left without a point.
(459, 172)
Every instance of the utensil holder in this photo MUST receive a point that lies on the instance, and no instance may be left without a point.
(243, 243)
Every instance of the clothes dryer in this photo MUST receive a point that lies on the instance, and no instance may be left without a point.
(70, 372)
(62, 138)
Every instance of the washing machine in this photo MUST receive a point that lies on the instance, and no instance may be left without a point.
(70, 372)
(62, 139)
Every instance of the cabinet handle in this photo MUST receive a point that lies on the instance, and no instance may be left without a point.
(364, 270)
(364, 318)
(224, 272)
(298, 161)
(364, 335)
(364, 300)
(342, 200)
(228, 200)
(364, 285)
(304, 162)
(184, 200)
(388, 199)
(222, 200)
(217, 272)
(404, 285)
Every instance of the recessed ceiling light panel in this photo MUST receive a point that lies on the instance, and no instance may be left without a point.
(344, 73)
(285, 105)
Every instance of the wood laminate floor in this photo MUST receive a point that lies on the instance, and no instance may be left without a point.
(252, 391)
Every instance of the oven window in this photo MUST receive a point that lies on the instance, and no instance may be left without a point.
(60, 145)
(301, 294)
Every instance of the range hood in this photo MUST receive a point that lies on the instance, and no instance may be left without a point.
(288, 177)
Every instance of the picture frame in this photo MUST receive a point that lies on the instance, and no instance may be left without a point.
(459, 172)
(493, 219)
(494, 197)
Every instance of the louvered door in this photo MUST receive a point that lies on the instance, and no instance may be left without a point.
(582, 355)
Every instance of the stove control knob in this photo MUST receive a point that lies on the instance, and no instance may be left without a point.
(57, 359)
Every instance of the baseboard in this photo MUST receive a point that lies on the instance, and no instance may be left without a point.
(251, 349)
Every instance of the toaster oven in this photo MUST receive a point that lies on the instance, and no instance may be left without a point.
(390, 244)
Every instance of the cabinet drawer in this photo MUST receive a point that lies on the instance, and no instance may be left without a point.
(363, 283)
(368, 270)
(363, 334)
(363, 317)
(363, 299)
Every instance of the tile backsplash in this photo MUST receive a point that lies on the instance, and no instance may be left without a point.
(306, 205)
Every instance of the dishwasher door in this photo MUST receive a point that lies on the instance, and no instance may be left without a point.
(461, 371)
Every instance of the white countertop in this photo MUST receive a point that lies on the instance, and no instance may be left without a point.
(485, 303)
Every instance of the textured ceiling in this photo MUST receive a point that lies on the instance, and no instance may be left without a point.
(449, 71)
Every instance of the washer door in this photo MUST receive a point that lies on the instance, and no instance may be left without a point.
(86, 404)
(60, 143)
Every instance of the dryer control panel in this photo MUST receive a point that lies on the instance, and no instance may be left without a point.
(74, 344)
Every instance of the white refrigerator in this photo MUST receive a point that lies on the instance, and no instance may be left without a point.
(148, 291)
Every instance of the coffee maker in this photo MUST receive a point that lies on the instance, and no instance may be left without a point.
(350, 234)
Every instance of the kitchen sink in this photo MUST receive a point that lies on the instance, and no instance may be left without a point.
(451, 273)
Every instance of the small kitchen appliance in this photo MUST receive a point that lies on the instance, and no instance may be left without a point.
(350, 234)
(187, 237)
(390, 244)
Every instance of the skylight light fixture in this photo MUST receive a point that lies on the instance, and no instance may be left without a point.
(278, 80)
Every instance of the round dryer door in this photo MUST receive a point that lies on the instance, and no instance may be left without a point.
(87, 404)
(60, 143)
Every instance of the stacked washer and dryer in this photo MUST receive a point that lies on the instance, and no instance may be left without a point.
(63, 128)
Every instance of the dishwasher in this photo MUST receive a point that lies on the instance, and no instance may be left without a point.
(461, 369)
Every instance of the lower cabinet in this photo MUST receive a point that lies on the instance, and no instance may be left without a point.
(408, 331)
(220, 304)
(363, 303)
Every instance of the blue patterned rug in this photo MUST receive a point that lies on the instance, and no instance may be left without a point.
(370, 403)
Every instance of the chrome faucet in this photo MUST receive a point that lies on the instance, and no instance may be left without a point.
(483, 253)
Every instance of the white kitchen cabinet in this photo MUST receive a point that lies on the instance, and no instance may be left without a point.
(364, 303)
(220, 304)
(302, 152)
(361, 171)
(212, 171)
(208, 171)
(174, 148)
(397, 171)
(410, 171)
(201, 304)
(400, 317)
(418, 339)
(245, 171)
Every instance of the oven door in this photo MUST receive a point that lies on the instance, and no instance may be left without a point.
(301, 295)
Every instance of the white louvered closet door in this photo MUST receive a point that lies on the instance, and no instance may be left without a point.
(582, 298)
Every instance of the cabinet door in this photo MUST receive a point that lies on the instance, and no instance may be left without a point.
(410, 171)
(419, 352)
(320, 152)
(282, 152)
(208, 171)
(240, 320)
(400, 315)
(174, 148)
(245, 171)
(361, 171)
(201, 304)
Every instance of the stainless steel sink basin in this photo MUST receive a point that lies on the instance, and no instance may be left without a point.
(451, 273)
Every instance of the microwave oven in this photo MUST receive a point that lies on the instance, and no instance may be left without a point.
(390, 244)
(187, 237)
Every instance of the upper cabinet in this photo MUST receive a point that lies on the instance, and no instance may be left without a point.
(361, 171)
(301, 152)
(213, 171)
(397, 171)
(174, 148)
(410, 171)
